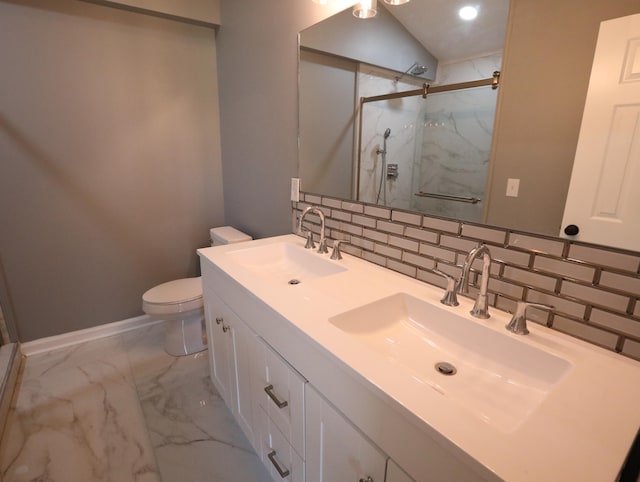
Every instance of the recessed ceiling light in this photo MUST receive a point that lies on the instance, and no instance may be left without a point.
(396, 2)
(468, 12)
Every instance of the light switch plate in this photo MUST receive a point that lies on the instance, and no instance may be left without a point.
(513, 186)
(295, 189)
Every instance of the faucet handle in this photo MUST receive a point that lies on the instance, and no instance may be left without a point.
(336, 253)
(518, 323)
(309, 244)
(450, 298)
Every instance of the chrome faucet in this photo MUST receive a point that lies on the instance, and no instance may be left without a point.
(322, 248)
(481, 307)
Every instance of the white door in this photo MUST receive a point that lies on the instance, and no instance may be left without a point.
(604, 192)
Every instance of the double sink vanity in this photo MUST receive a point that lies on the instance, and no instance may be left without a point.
(341, 370)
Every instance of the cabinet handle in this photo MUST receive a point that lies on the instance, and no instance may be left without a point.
(269, 390)
(368, 479)
(219, 320)
(225, 328)
(272, 458)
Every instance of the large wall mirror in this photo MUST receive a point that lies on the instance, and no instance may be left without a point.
(499, 157)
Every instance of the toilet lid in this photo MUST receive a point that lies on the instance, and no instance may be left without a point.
(177, 291)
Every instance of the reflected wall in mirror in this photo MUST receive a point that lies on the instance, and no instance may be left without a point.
(405, 146)
(546, 64)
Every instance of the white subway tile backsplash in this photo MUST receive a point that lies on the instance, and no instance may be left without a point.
(529, 278)
(564, 268)
(332, 203)
(595, 296)
(374, 258)
(504, 288)
(460, 244)
(487, 234)
(388, 251)
(586, 332)
(615, 322)
(510, 256)
(375, 235)
(341, 215)
(538, 245)
(312, 199)
(630, 284)
(528, 267)
(631, 348)
(390, 227)
(408, 218)
(441, 225)
(438, 253)
(604, 257)
(363, 221)
(402, 268)
(421, 261)
(404, 243)
(421, 234)
(353, 207)
(560, 305)
(377, 212)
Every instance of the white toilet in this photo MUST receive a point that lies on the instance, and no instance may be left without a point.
(179, 302)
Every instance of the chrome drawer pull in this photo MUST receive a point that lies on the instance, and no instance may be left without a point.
(219, 320)
(272, 458)
(269, 390)
(225, 328)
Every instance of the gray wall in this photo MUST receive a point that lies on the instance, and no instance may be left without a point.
(258, 76)
(547, 63)
(111, 173)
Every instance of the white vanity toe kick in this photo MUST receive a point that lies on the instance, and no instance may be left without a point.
(576, 424)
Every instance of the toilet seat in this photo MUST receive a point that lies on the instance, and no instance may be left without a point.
(176, 296)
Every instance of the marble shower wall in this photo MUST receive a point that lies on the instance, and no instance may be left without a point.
(399, 115)
(456, 130)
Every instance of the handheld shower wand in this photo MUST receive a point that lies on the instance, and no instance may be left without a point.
(383, 151)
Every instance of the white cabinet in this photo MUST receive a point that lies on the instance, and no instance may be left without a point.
(336, 450)
(232, 349)
(276, 453)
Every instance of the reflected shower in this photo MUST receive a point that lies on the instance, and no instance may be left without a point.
(383, 169)
(415, 69)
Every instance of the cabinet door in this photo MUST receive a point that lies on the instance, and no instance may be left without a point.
(335, 449)
(217, 331)
(246, 349)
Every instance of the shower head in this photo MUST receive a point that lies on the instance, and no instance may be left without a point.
(418, 70)
(414, 69)
(387, 133)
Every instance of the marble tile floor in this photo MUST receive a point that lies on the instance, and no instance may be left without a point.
(120, 409)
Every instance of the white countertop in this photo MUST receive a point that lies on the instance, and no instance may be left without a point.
(582, 431)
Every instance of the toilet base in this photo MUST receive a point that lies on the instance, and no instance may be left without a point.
(185, 335)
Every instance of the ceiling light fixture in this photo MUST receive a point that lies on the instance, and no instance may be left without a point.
(365, 9)
(396, 2)
(468, 12)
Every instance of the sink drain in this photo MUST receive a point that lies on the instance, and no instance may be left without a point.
(445, 368)
(294, 281)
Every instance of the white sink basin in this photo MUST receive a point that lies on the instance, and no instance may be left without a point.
(285, 262)
(498, 377)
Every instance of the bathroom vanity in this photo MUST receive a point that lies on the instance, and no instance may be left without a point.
(346, 371)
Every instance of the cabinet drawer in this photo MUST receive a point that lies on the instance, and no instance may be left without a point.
(282, 462)
(279, 391)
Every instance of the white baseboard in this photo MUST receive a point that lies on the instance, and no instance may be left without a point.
(50, 343)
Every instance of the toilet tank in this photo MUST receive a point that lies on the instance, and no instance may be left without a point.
(227, 235)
